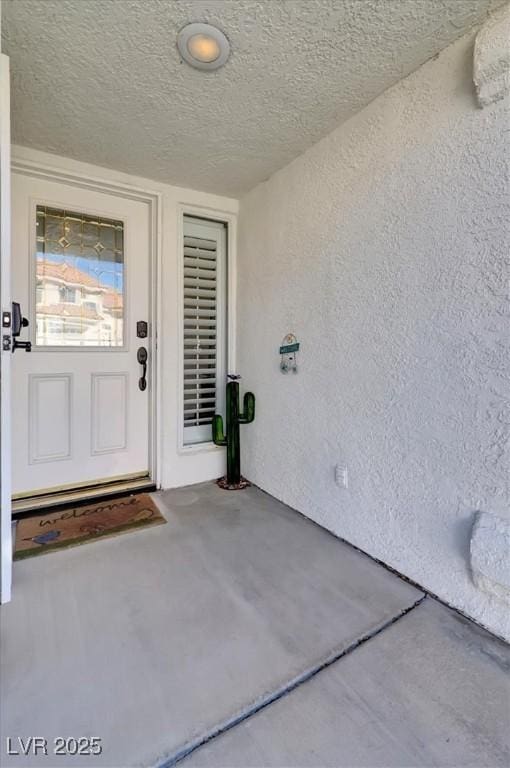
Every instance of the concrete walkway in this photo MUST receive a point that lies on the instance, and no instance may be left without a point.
(430, 690)
(157, 640)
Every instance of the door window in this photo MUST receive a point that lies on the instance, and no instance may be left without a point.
(79, 295)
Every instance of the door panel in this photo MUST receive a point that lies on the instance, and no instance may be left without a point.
(81, 275)
(49, 437)
(110, 393)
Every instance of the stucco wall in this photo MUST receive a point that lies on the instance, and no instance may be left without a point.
(382, 248)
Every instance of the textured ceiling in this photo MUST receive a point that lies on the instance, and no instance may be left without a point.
(101, 80)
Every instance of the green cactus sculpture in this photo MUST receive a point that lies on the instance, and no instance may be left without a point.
(233, 479)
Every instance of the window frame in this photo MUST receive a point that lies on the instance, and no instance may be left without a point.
(201, 433)
(229, 222)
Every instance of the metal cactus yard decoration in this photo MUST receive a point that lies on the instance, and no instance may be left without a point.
(233, 480)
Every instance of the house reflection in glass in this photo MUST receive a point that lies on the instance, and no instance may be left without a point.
(79, 279)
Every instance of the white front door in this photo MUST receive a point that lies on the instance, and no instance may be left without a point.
(81, 275)
(5, 349)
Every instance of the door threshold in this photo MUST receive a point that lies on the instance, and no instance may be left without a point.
(79, 496)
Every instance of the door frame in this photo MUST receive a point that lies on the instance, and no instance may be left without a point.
(154, 200)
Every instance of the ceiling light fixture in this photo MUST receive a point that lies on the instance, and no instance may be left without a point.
(203, 46)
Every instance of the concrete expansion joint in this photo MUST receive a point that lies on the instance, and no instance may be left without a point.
(282, 692)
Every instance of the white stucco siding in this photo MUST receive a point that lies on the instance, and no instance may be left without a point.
(383, 249)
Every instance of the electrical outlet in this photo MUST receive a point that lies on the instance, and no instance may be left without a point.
(341, 476)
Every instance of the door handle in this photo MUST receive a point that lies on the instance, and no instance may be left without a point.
(17, 323)
(141, 356)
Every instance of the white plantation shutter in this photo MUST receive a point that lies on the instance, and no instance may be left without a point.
(204, 314)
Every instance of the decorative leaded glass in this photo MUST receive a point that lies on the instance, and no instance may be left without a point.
(79, 279)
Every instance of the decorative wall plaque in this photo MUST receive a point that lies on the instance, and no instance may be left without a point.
(288, 351)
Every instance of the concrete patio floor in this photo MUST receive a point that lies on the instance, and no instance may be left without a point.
(430, 690)
(157, 640)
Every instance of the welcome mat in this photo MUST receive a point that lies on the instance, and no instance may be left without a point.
(78, 524)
